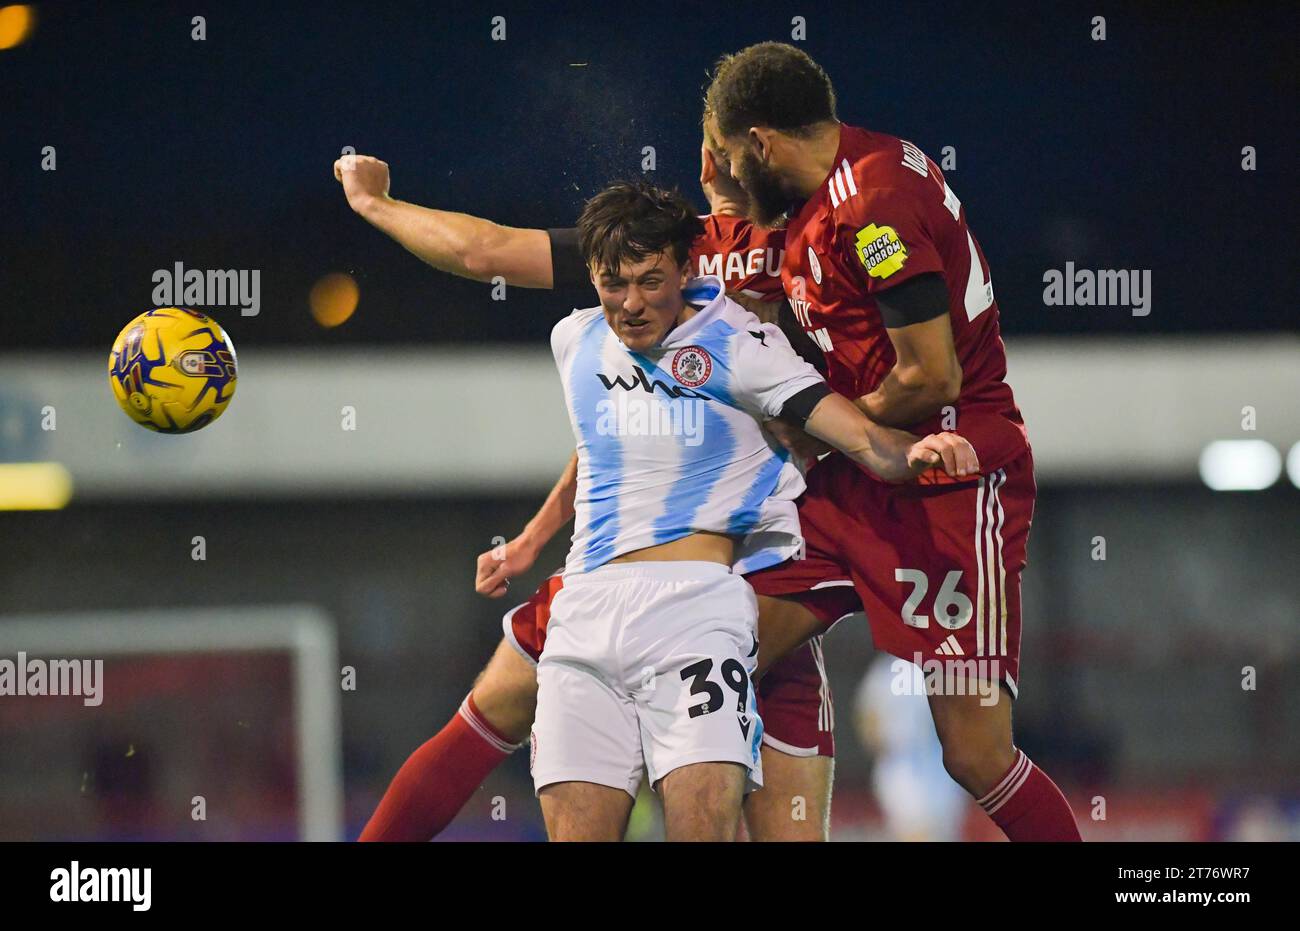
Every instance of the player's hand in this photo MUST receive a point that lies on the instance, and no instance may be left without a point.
(804, 447)
(500, 564)
(364, 178)
(954, 453)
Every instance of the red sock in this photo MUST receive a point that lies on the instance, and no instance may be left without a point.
(438, 779)
(1027, 805)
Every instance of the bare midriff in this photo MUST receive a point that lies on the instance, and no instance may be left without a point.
(696, 547)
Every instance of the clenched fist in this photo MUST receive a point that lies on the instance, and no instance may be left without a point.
(948, 451)
(497, 566)
(365, 180)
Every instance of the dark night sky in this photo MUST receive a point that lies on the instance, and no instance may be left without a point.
(1117, 154)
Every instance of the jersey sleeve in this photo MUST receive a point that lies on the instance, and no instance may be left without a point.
(568, 270)
(565, 336)
(769, 373)
(886, 237)
(918, 299)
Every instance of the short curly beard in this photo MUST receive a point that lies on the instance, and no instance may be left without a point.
(768, 200)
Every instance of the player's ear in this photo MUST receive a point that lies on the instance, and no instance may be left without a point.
(708, 170)
(760, 137)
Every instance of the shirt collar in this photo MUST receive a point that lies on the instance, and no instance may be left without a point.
(706, 290)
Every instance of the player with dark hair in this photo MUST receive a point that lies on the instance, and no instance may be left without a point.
(653, 639)
(884, 274)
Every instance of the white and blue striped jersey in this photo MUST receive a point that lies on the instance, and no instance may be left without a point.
(669, 440)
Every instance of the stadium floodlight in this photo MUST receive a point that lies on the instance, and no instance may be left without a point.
(1240, 465)
(1293, 465)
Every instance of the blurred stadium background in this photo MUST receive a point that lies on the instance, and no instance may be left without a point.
(1161, 677)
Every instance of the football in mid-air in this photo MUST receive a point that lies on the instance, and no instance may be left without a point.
(173, 370)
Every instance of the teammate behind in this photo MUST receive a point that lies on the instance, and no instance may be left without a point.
(884, 273)
(919, 800)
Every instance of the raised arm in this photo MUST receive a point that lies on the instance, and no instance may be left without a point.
(463, 245)
(498, 565)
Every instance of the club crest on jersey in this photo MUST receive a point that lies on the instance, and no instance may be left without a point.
(692, 366)
(880, 249)
(815, 265)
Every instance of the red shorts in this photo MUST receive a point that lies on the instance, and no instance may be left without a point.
(794, 695)
(525, 624)
(937, 566)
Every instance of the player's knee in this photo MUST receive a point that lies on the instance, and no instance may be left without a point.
(961, 764)
(573, 827)
(784, 820)
(975, 768)
(702, 824)
(702, 802)
(799, 832)
(794, 802)
(583, 812)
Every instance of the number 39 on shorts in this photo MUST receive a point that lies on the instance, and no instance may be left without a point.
(952, 610)
(733, 674)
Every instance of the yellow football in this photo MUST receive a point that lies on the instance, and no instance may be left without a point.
(173, 370)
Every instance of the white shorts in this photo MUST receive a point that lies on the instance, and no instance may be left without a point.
(647, 666)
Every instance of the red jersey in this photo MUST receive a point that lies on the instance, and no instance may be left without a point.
(884, 215)
(746, 257)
